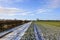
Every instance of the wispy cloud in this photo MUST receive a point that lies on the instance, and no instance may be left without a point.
(43, 11)
(54, 4)
(12, 1)
(49, 7)
(8, 3)
(14, 8)
(12, 11)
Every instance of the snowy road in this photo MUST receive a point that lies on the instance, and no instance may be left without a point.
(16, 33)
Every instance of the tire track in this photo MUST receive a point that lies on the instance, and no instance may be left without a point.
(38, 33)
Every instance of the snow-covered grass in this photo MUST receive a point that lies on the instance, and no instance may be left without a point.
(29, 34)
(50, 30)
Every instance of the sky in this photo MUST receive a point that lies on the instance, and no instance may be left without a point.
(30, 9)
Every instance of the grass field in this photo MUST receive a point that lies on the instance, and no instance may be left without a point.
(50, 30)
(51, 23)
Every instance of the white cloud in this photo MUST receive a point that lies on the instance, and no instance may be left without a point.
(49, 7)
(32, 14)
(14, 11)
(8, 3)
(43, 11)
(11, 1)
(10, 10)
(54, 4)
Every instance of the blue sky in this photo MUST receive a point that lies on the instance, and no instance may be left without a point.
(30, 9)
